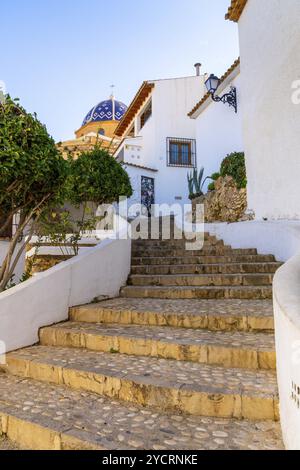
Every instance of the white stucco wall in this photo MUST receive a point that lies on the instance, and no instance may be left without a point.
(219, 132)
(135, 175)
(172, 100)
(287, 328)
(270, 49)
(45, 299)
(20, 268)
(280, 238)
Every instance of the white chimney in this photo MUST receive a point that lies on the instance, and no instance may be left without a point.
(198, 67)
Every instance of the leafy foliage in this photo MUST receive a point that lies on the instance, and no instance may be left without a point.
(234, 165)
(97, 177)
(32, 176)
(214, 177)
(31, 167)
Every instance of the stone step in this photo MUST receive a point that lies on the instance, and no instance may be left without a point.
(42, 416)
(176, 386)
(236, 350)
(215, 315)
(229, 268)
(208, 240)
(202, 259)
(206, 292)
(179, 252)
(201, 280)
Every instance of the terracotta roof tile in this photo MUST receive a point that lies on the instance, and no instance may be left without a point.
(135, 105)
(235, 10)
(222, 79)
(142, 167)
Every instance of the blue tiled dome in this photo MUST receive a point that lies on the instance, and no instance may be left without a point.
(108, 110)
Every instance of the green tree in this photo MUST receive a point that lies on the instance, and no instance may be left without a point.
(97, 177)
(234, 165)
(32, 178)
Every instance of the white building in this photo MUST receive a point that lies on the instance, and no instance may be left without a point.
(269, 36)
(159, 139)
(218, 126)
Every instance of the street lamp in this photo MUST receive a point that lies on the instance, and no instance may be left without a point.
(212, 84)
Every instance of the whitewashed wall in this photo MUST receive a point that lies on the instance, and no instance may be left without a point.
(287, 327)
(281, 238)
(270, 49)
(135, 175)
(219, 131)
(172, 100)
(20, 268)
(46, 298)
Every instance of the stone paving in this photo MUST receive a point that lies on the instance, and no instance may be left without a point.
(84, 420)
(180, 374)
(234, 314)
(264, 342)
(203, 292)
(231, 349)
(177, 367)
(191, 388)
(189, 307)
(6, 444)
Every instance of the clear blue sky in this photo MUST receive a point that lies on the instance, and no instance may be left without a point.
(61, 56)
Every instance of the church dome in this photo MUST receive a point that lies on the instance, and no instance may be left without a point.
(108, 110)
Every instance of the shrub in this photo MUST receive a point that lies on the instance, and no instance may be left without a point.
(234, 165)
(214, 177)
(97, 177)
(32, 177)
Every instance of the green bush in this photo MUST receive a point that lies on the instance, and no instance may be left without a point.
(97, 177)
(32, 178)
(215, 176)
(234, 165)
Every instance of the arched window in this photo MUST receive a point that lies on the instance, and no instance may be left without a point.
(101, 132)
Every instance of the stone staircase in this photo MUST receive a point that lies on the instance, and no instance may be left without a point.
(183, 359)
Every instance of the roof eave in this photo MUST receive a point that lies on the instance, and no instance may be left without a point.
(235, 10)
(142, 94)
(229, 75)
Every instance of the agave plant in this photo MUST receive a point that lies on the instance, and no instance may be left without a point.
(196, 183)
(190, 184)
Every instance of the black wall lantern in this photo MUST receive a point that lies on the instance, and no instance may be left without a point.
(212, 84)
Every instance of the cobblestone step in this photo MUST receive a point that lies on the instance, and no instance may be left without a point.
(42, 416)
(201, 280)
(233, 268)
(211, 292)
(202, 259)
(216, 315)
(208, 240)
(196, 389)
(236, 350)
(178, 252)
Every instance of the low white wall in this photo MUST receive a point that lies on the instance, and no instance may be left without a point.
(280, 238)
(45, 299)
(19, 271)
(287, 326)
